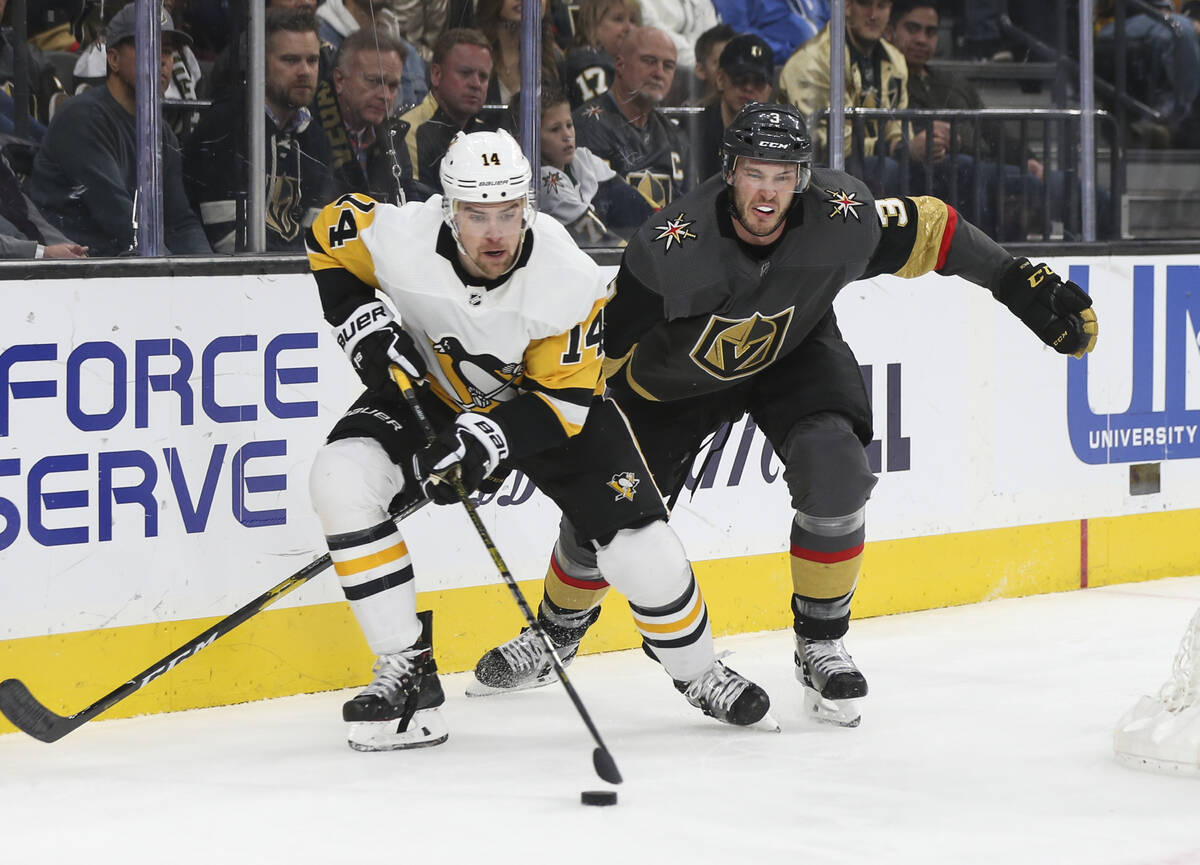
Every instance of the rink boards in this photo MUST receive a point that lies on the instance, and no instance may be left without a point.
(155, 437)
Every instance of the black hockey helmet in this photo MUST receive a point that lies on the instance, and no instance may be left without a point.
(771, 132)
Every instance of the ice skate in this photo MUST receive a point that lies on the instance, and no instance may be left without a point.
(832, 683)
(523, 662)
(726, 695)
(399, 709)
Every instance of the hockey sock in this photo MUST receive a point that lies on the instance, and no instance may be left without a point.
(375, 570)
(678, 632)
(572, 585)
(826, 557)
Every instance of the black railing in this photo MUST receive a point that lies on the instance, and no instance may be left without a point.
(980, 154)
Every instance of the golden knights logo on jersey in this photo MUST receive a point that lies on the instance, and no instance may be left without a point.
(283, 207)
(732, 348)
(625, 484)
(478, 379)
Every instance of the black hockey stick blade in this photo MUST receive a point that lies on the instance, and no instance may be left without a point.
(30, 716)
(606, 766)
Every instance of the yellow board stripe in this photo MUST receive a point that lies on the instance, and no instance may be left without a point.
(350, 567)
(676, 626)
(300, 650)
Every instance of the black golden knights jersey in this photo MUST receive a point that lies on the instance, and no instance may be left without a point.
(588, 72)
(526, 348)
(695, 311)
(651, 158)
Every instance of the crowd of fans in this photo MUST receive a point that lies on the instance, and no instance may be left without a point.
(365, 96)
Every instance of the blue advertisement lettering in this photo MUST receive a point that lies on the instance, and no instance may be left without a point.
(1141, 433)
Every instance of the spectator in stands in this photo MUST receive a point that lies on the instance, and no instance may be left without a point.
(983, 34)
(914, 30)
(298, 181)
(875, 75)
(683, 21)
(24, 232)
(625, 128)
(784, 24)
(745, 73)
(459, 75)
(600, 27)
(86, 171)
(500, 22)
(339, 18)
(709, 46)
(354, 103)
(229, 67)
(44, 84)
(577, 187)
(419, 23)
(1175, 40)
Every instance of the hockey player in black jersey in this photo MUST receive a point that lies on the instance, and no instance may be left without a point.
(502, 319)
(724, 306)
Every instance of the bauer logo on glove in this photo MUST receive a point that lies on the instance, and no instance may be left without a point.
(1058, 311)
(472, 449)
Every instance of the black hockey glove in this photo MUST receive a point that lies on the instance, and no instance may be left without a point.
(473, 447)
(373, 340)
(1058, 312)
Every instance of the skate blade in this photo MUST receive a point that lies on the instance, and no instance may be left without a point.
(767, 724)
(839, 713)
(426, 729)
(478, 689)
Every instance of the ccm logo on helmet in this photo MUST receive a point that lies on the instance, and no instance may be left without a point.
(778, 145)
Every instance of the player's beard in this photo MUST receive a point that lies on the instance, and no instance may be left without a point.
(737, 209)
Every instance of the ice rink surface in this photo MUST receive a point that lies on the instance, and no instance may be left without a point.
(986, 739)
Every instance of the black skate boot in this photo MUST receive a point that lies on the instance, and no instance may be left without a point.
(832, 682)
(399, 709)
(727, 696)
(523, 661)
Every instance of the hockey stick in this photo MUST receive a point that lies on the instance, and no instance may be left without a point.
(602, 760)
(30, 716)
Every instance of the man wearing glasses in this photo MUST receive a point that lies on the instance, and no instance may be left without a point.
(355, 106)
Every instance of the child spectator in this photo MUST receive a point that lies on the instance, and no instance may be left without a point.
(577, 187)
(708, 52)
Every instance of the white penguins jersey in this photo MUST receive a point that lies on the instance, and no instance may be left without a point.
(534, 336)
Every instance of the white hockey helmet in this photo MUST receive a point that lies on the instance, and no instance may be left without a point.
(485, 168)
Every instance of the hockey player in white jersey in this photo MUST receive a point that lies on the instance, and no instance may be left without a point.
(502, 319)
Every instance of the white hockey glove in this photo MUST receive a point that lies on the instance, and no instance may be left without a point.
(473, 447)
(373, 340)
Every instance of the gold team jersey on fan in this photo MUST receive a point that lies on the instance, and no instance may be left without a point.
(536, 333)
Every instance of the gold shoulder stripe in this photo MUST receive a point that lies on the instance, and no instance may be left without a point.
(932, 214)
(338, 231)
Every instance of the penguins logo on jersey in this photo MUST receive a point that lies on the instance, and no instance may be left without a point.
(625, 484)
(477, 379)
(733, 348)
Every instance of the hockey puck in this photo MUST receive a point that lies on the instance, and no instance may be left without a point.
(598, 797)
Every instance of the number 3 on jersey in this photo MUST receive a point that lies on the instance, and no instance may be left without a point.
(577, 341)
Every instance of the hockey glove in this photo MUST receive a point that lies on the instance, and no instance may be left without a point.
(472, 448)
(373, 340)
(1058, 312)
